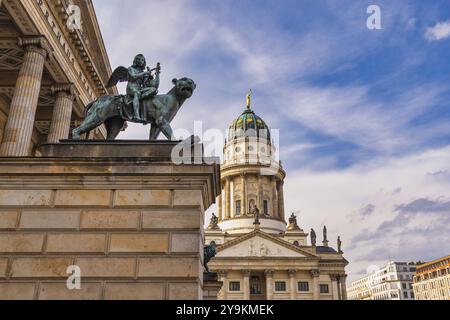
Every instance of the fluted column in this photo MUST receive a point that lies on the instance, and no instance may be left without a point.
(246, 274)
(344, 287)
(227, 199)
(339, 287)
(293, 284)
(20, 123)
(275, 198)
(62, 113)
(224, 279)
(281, 201)
(315, 274)
(335, 288)
(260, 195)
(219, 206)
(243, 195)
(269, 284)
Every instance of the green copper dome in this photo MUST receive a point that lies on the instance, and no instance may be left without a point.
(249, 125)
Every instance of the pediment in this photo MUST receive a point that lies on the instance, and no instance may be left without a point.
(260, 245)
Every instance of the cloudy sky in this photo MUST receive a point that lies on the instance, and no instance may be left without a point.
(364, 115)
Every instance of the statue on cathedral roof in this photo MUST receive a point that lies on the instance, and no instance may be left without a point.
(325, 236)
(293, 225)
(339, 245)
(255, 212)
(214, 223)
(249, 99)
(313, 238)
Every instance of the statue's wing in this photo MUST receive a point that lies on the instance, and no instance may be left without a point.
(119, 75)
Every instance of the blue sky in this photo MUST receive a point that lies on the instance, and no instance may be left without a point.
(364, 115)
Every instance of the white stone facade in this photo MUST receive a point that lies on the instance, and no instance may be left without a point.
(432, 280)
(392, 282)
(264, 258)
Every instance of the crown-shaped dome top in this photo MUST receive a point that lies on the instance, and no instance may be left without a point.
(249, 125)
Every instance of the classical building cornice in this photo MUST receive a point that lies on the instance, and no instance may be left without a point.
(269, 237)
(74, 59)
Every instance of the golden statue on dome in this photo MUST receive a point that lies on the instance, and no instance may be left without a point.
(249, 98)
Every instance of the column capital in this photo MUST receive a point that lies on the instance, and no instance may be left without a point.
(292, 272)
(315, 273)
(65, 89)
(222, 273)
(269, 272)
(38, 44)
(334, 277)
(246, 273)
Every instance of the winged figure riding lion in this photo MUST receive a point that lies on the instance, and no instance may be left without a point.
(141, 104)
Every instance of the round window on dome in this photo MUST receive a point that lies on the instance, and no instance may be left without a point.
(250, 148)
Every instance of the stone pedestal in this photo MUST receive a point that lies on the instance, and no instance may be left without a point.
(122, 212)
(211, 286)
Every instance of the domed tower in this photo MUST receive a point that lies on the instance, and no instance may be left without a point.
(252, 179)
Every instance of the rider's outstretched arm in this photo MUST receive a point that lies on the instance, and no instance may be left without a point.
(133, 75)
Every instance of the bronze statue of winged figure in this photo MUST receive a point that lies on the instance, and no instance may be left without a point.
(141, 104)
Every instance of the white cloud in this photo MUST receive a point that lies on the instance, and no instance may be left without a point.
(439, 32)
(352, 115)
(336, 197)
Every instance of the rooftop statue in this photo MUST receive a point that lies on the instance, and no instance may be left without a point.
(214, 223)
(141, 104)
(313, 238)
(339, 245)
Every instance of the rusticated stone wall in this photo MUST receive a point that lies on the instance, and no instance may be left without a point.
(133, 227)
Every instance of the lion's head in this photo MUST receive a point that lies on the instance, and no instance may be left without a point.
(185, 87)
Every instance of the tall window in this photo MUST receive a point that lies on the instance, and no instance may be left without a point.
(280, 286)
(235, 286)
(238, 207)
(303, 286)
(324, 289)
(255, 286)
(251, 205)
(266, 207)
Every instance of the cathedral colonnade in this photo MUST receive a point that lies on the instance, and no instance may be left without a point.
(271, 281)
(226, 202)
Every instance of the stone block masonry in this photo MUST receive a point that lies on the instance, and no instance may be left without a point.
(134, 227)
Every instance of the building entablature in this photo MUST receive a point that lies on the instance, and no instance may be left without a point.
(247, 169)
(71, 61)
